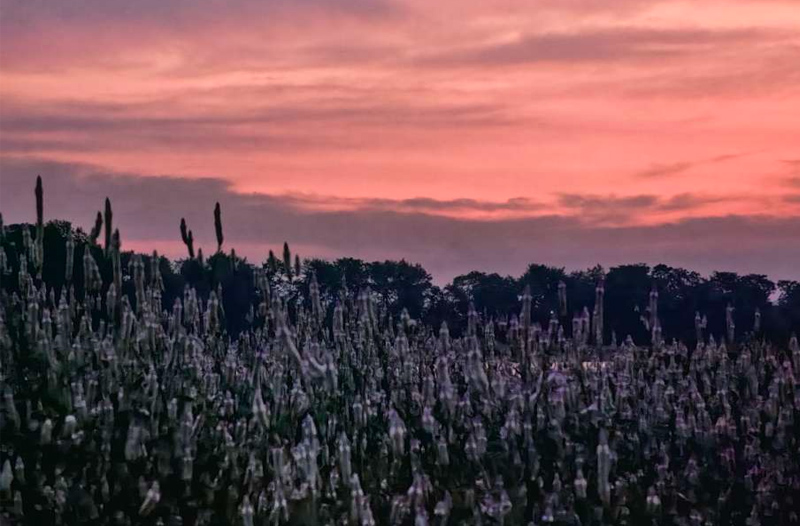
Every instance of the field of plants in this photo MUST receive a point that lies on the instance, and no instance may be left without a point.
(228, 393)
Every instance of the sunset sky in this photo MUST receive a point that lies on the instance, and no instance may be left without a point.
(460, 134)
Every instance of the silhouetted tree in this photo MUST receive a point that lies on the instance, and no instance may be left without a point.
(491, 293)
(627, 290)
(401, 285)
(678, 300)
(543, 281)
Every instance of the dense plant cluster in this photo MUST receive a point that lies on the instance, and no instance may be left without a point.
(257, 396)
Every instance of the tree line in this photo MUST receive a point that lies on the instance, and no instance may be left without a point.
(683, 296)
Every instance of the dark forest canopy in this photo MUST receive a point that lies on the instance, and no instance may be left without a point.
(682, 294)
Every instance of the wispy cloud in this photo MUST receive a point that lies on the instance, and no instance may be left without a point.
(291, 126)
(596, 203)
(793, 165)
(688, 201)
(663, 170)
(417, 204)
(597, 45)
(792, 178)
(625, 210)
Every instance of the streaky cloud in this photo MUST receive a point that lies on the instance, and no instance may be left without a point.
(147, 210)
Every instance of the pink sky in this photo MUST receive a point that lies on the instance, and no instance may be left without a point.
(607, 114)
